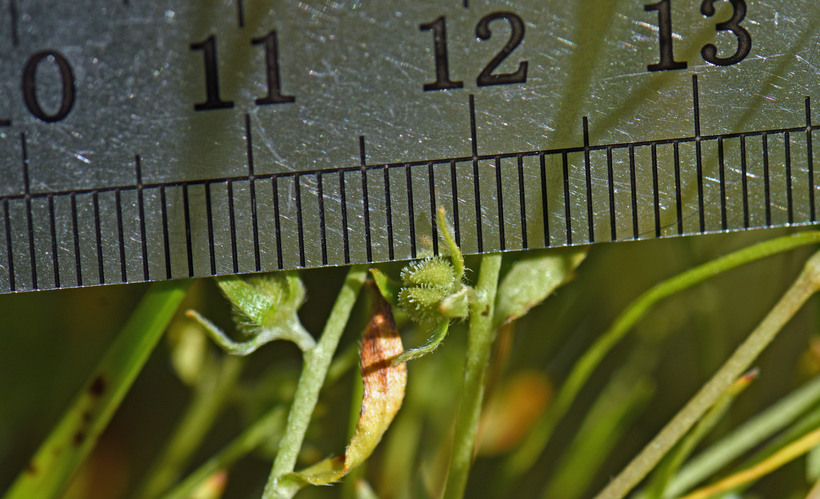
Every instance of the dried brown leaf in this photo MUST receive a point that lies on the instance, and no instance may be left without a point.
(384, 387)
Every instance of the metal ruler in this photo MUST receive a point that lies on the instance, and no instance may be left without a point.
(168, 139)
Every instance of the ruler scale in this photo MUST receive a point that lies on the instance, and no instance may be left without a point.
(260, 164)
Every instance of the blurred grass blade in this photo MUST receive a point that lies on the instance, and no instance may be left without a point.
(806, 284)
(215, 384)
(251, 438)
(776, 460)
(763, 426)
(670, 465)
(532, 279)
(74, 436)
(605, 423)
(521, 460)
(212, 488)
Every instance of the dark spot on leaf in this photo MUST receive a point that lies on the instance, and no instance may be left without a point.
(78, 438)
(97, 387)
(86, 417)
(486, 311)
(31, 469)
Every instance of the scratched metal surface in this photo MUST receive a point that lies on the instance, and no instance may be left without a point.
(134, 184)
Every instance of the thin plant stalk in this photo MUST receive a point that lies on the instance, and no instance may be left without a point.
(251, 438)
(807, 284)
(75, 435)
(776, 417)
(670, 466)
(526, 455)
(776, 460)
(314, 369)
(479, 344)
(216, 381)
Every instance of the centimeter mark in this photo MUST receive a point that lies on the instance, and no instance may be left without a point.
(141, 207)
(257, 259)
(14, 19)
(521, 203)
(78, 264)
(767, 195)
(120, 237)
(29, 218)
(698, 155)
(299, 228)
(475, 159)
(634, 192)
(500, 198)
(411, 210)
(345, 227)
(454, 181)
(476, 189)
(278, 225)
(544, 205)
(95, 200)
(388, 214)
(433, 206)
(322, 229)
(365, 200)
(588, 176)
(189, 246)
(809, 156)
(678, 195)
(613, 228)
(655, 194)
(55, 261)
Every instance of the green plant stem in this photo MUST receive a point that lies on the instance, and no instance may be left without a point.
(806, 284)
(528, 453)
(76, 434)
(776, 460)
(314, 369)
(214, 385)
(248, 440)
(479, 346)
(672, 463)
(776, 417)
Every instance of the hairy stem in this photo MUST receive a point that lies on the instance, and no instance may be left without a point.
(479, 345)
(314, 369)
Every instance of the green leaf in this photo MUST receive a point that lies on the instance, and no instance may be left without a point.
(388, 287)
(265, 309)
(531, 279)
(74, 436)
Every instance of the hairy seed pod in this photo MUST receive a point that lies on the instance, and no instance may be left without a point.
(422, 303)
(431, 273)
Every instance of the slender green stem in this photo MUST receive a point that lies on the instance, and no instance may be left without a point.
(214, 385)
(74, 436)
(806, 284)
(248, 440)
(479, 345)
(776, 460)
(314, 369)
(672, 463)
(747, 436)
(528, 453)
